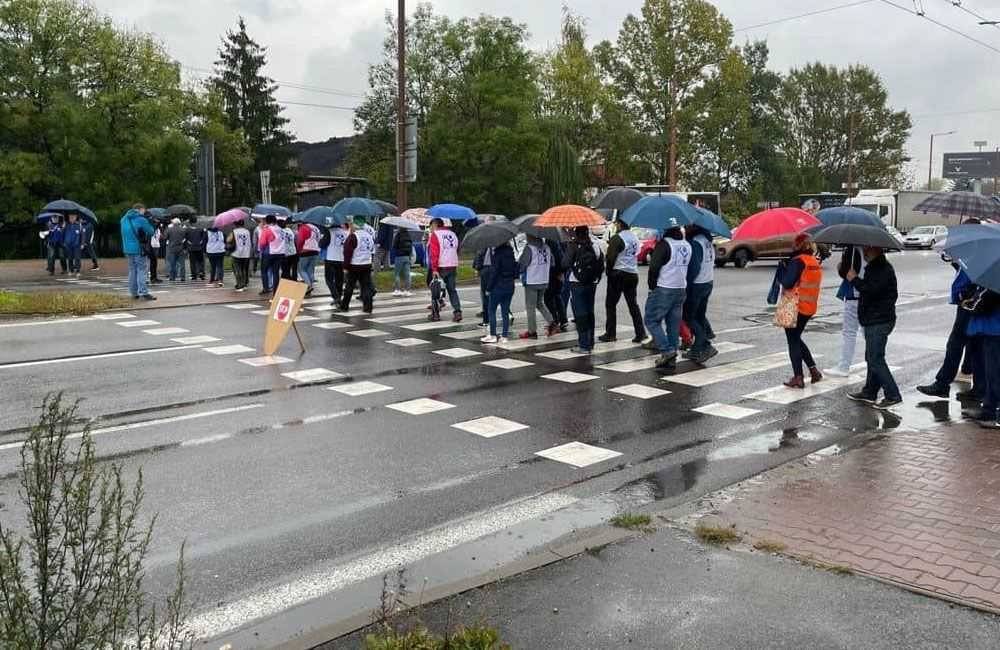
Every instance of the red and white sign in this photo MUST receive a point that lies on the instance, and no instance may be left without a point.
(283, 312)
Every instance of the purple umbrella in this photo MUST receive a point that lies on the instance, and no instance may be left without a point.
(229, 217)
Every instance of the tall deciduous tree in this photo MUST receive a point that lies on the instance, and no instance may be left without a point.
(249, 106)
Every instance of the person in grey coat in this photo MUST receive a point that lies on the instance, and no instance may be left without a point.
(176, 244)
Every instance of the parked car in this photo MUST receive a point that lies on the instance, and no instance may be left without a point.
(925, 236)
(743, 251)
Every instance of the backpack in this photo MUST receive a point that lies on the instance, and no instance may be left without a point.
(587, 266)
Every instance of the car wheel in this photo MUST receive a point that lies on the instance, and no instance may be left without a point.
(720, 264)
(741, 258)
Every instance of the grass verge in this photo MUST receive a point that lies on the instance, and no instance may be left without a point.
(50, 303)
(769, 546)
(632, 521)
(383, 279)
(717, 535)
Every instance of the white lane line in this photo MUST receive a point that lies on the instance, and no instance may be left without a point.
(600, 348)
(570, 377)
(727, 411)
(261, 312)
(333, 326)
(242, 305)
(507, 364)
(466, 335)
(305, 318)
(358, 388)
(649, 359)
(195, 340)
(528, 344)
(327, 307)
(90, 357)
(400, 318)
(734, 370)
(114, 316)
(164, 331)
(57, 321)
(408, 343)
(785, 395)
(368, 334)
(391, 308)
(206, 440)
(639, 391)
(444, 323)
(316, 301)
(150, 423)
(490, 426)
(273, 600)
(578, 454)
(137, 323)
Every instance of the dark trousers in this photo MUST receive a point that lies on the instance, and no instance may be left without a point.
(290, 267)
(73, 258)
(976, 355)
(217, 266)
(355, 276)
(957, 342)
(500, 299)
(333, 273)
(196, 260)
(879, 376)
(270, 271)
(153, 264)
(484, 299)
(583, 296)
(989, 347)
(91, 251)
(621, 283)
(798, 351)
(55, 252)
(554, 301)
(241, 271)
(697, 308)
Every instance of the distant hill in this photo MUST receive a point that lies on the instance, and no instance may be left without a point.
(321, 158)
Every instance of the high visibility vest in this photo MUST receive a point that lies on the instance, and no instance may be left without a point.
(809, 285)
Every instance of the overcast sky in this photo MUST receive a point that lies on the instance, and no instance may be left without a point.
(329, 44)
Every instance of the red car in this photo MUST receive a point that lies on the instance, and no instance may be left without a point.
(647, 242)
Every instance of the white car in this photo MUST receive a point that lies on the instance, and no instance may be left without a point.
(925, 237)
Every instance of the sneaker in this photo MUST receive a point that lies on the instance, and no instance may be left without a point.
(241, 290)
(709, 352)
(888, 403)
(263, 292)
(95, 268)
(607, 338)
(397, 293)
(502, 340)
(838, 372)
(407, 294)
(528, 335)
(861, 396)
(147, 296)
(578, 350)
(667, 364)
(638, 339)
(935, 390)
(488, 339)
(564, 327)
(650, 345)
(685, 345)
(970, 395)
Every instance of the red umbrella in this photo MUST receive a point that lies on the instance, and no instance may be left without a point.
(570, 216)
(775, 222)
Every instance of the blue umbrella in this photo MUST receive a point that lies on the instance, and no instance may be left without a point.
(87, 214)
(660, 213)
(322, 215)
(264, 209)
(62, 206)
(849, 215)
(712, 222)
(45, 217)
(976, 247)
(451, 211)
(357, 206)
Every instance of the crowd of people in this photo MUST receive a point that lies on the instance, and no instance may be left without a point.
(68, 239)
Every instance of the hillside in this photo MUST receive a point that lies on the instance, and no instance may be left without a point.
(321, 158)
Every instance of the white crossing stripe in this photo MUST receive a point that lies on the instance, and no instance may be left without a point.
(311, 375)
(444, 323)
(727, 411)
(195, 340)
(401, 318)
(359, 388)
(328, 307)
(393, 307)
(421, 406)
(223, 350)
(527, 344)
(784, 395)
(259, 362)
(507, 364)
(242, 305)
(261, 312)
(570, 377)
(113, 316)
(408, 343)
(164, 331)
(466, 335)
(457, 353)
(90, 357)
(316, 301)
(490, 426)
(639, 391)
(305, 318)
(649, 359)
(600, 348)
(368, 334)
(333, 326)
(578, 454)
(57, 321)
(734, 370)
(137, 323)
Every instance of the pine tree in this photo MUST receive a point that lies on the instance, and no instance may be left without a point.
(249, 105)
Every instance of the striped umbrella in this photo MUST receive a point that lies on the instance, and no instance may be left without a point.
(966, 205)
(570, 216)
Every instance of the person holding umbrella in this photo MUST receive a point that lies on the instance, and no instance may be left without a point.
(623, 280)
(983, 305)
(402, 252)
(54, 244)
(700, 281)
(176, 244)
(501, 291)
(359, 252)
(90, 244)
(668, 267)
(443, 253)
(73, 242)
(240, 244)
(877, 295)
(333, 268)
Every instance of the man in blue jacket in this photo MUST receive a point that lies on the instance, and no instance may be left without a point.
(90, 245)
(54, 245)
(136, 231)
(73, 242)
(984, 327)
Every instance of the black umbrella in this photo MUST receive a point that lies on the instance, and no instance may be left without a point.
(489, 235)
(965, 205)
(856, 235)
(389, 208)
(617, 198)
(526, 224)
(181, 210)
(62, 206)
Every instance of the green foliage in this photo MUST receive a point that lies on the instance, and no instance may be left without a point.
(563, 178)
(471, 638)
(78, 303)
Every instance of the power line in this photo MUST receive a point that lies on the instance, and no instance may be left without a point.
(284, 102)
(942, 25)
(286, 84)
(805, 15)
(954, 113)
(983, 20)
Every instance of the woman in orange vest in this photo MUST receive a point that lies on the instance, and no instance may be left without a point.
(803, 274)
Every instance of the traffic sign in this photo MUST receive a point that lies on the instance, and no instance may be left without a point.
(974, 164)
(284, 308)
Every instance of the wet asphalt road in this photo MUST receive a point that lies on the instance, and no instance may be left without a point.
(267, 478)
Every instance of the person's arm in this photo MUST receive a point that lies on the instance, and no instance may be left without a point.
(525, 260)
(877, 281)
(694, 265)
(793, 271)
(434, 250)
(349, 245)
(657, 260)
(615, 247)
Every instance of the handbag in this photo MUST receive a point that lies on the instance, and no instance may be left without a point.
(786, 315)
(145, 248)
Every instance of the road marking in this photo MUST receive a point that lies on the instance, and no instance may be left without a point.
(639, 391)
(311, 375)
(600, 348)
(508, 364)
(734, 370)
(164, 331)
(114, 316)
(785, 395)
(570, 377)
(305, 318)
(649, 360)
(242, 305)
(333, 326)
(490, 426)
(528, 344)
(150, 423)
(421, 406)
(261, 312)
(228, 349)
(408, 343)
(368, 334)
(206, 440)
(413, 304)
(727, 411)
(260, 362)
(137, 323)
(321, 307)
(316, 301)
(438, 325)
(57, 321)
(457, 353)
(195, 340)
(578, 454)
(90, 357)
(466, 335)
(359, 388)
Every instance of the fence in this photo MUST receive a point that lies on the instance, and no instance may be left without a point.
(21, 241)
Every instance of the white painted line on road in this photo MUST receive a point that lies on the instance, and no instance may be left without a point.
(394, 307)
(600, 348)
(228, 349)
(90, 357)
(311, 375)
(785, 395)
(639, 391)
(114, 316)
(206, 440)
(137, 323)
(261, 312)
(528, 344)
(150, 423)
(408, 343)
(368, 334)
(333, 326)
(507, 364)
(578, 454)
(305, 318)
(457, 353)
(260, 362)
(466, 335)
(57, 321)
(727, 411)
(442, 324)
(734, 370)
(490, 426)
(359, 388)
(165, 331)
(276, 599)
(570, 377)
(327, 307)
(401, 318)
(744, 329)
(242, 305)
(195, 340)
(421, 406)
(649, 359)
(316, 301)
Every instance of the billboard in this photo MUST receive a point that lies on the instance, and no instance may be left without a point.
(975, 164)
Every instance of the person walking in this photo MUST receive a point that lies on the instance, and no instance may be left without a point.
(333, 268)
(90, 244)
(73, 243)
(196, 237)
(501, 292)
(483, 265)
(668, 267)
(272, 254)
(307, 246)
(155, 244)
(290, 262)
(402, 251)
(535, 265)
(215, 248)
(384, 238)
(983, 306)
(700, 282)
(54, 245)
(240, 243)
(176, 250)
(877, 295)
(801, 273)
(359, 252)
(135, 233)
(444, 263)
(623, 280)
(557, 281)
(853, 259)
(586, 265)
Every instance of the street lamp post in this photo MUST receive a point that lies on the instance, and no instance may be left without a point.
(930, 163)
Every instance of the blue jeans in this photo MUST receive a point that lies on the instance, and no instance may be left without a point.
(175, 266)
(271, 271)
(500, 298)
(401, 280)
(879, 376)
(665, 306)
(448, 277)
(138, 270)
(307, 269)
(697, 310)
(582, 296)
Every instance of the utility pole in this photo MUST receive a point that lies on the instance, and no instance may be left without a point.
(850, 157)
(401, 112)
(930, 163)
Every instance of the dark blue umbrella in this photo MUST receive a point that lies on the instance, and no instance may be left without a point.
(87, 214)
(849, 215)
(451, 211)
(62, 206)
(976, 247)
(323, 216)
(159, 214)
(264, 209)
(660, 213)
(712, 222)
(357, 206)
(45, 217)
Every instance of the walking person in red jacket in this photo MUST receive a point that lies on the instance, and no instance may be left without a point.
(307, 246)
(443, 250)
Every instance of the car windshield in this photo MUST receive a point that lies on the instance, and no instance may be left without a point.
(923, 230)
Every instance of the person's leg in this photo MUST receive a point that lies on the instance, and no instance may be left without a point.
(449, 283)
(183, 263)
(564, 296)
(656, 309)
(367, 290)
(807, 356)
(630, 287)
(953, 350)
(848, 336)
(674, 313)
(794, 337)
(989, 346)
(50, 258)
(530, 304)
(61, 254)
(693, 306)
(142, 272)
(133, 272)
(505, 300)
(397, 275)
(611, 298)
(92, 251)
(348, 293)
(590, 296)
(491, 316)
(304, 271)
(542, 308)
(579, 313)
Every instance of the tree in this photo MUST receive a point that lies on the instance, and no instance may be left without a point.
(563, 179)
(250, 107)
(656, 67)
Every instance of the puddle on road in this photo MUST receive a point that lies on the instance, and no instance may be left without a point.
(670, 482)
(763, 444)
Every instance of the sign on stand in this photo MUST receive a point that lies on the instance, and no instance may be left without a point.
(285, 307)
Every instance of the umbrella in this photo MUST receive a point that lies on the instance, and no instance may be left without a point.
(526, 224)
(570, 216)
(617, 198)
(261, 210)
(775, 222)
(45, 217)
(158, 214)
(357, 206)
(399, 222)
(229, 217)
(845, 214)
(322, 216)
(960, 204)
(181, 210)
(451, 211)
(977, 249)
(660, 213)
(387, 208)
(87, 214)
(62, 206)
(850, 234)
(712, 222)
(489, 235)
(205, 222)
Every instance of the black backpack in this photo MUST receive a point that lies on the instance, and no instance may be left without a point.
(587, 266)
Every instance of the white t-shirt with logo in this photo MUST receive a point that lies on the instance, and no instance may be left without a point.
(673, 275)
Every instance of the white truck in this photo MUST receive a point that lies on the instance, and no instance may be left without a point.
(896, 208)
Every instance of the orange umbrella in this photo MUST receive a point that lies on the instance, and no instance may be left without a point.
(570, 216)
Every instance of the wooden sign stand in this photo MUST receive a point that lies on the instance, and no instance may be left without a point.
(285, 306)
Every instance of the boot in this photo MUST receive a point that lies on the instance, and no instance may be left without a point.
(796, 382)
(606, 338)
(457, 317)
(815, 375)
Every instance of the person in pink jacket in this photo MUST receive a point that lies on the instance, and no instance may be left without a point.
(443, 253)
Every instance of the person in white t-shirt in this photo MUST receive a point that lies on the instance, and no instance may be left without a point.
(333, 268)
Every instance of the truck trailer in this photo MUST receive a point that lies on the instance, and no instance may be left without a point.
(897, 208)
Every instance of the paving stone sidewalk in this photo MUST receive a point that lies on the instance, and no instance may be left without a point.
(920, 508)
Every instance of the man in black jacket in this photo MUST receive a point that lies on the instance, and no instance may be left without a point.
(877, 294)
